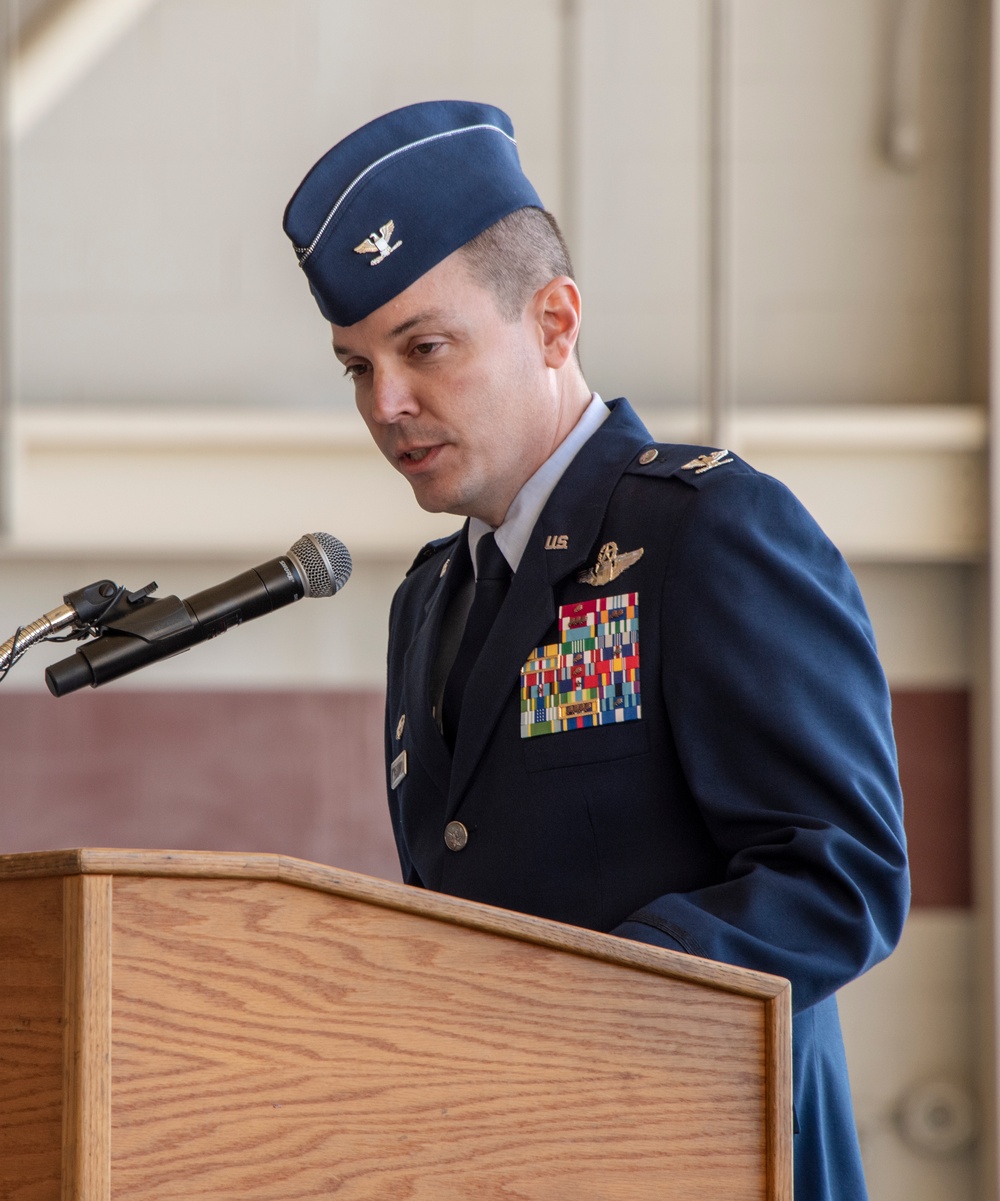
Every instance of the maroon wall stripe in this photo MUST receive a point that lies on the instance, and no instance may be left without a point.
(301, 773)
(932, 738)
(292, 772)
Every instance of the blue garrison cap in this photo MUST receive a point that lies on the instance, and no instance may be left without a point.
(397, 196)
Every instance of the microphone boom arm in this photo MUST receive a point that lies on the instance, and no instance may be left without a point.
(40, 629)
(90, 608)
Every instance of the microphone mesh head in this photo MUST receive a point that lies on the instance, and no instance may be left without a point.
(325, 562)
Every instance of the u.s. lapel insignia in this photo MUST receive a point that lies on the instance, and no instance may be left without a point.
(557, 542)
(610, 564)
(705, 463)
(378, 244)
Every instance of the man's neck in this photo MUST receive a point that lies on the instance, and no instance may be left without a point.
(515, 529)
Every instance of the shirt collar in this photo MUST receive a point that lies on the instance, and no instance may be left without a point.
(525, 509)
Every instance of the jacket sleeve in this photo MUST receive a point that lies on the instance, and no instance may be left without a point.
(780, 714)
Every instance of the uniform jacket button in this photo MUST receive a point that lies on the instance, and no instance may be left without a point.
(455, 836)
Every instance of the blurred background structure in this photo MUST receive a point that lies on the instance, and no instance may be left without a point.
(781, 216)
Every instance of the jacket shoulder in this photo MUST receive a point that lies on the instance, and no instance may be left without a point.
(696, 466)
(433, 549)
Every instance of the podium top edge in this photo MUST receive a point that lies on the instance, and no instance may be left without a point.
(234, 865)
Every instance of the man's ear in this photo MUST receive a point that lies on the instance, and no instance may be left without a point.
(557, 307)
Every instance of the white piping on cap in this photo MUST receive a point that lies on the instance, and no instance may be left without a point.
(305, 251)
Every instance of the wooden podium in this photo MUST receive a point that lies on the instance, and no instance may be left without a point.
(253, 1027)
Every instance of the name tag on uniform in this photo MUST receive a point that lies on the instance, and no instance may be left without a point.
(397, 770)
(590, 677)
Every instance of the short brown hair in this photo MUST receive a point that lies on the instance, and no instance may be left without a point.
(516, 256)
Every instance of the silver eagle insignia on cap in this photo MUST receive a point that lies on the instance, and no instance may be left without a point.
(705, 463)
(378, 244)
(610, 564)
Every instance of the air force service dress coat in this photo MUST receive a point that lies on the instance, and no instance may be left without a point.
(749, 813)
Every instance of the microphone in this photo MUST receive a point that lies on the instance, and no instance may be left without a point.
(316, 565)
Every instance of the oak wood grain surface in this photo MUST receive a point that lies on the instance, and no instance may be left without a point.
(261, 866)
(282, 1029)
(31, 1039)
(86, 1133)
(778, 1053)
(274, 1042)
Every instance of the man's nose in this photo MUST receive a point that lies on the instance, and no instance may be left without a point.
(392, 397)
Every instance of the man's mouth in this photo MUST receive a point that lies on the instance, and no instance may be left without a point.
(417, 459)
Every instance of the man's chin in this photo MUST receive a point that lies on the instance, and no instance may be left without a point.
(431, 500)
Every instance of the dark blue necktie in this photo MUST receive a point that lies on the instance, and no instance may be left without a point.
(492, 582)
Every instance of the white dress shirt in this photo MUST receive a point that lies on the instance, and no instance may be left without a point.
(525, 509)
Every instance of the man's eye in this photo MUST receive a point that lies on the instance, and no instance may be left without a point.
(425, 348)
(355, 370)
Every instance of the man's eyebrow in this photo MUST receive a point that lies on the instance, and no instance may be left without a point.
(406, 326)
(403, 328)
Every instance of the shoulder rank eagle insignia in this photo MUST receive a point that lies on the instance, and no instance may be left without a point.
(705, 463)
(609, 566)
(378, 244)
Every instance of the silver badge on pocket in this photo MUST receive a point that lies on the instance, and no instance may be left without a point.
(398, 770)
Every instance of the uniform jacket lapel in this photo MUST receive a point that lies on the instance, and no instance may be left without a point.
(576, 508)
(427, 741)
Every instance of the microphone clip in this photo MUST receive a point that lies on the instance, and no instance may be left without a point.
(99, 604)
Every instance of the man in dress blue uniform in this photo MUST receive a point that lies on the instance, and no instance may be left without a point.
(638, 690)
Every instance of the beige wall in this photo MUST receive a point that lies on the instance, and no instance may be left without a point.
(148, 201)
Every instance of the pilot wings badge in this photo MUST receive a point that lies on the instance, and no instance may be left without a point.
(609, 566)
(378, 244)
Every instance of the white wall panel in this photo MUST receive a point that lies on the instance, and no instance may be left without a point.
(910, 1021)
(638, 244)
(150, 265)
(852, 279)
(88, 479)
(922, 617)
(150, 262)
